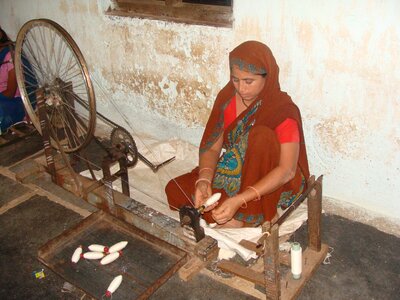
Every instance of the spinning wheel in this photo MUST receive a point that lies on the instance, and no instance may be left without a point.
(59, 98)
(48, 60)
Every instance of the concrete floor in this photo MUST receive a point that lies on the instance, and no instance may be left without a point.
(364, 263)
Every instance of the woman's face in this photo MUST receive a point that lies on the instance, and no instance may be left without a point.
(247, 85)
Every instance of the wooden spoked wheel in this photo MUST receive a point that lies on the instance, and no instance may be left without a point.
(48, 60)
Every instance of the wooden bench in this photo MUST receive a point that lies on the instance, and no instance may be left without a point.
(277, 286)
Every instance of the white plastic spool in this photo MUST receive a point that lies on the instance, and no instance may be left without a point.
(296, 260)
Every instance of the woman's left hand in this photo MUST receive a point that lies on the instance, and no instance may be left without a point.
(226, 210)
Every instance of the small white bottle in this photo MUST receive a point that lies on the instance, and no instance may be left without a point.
(296, 260)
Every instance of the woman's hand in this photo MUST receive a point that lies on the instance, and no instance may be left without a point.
(202, 193)
(227, 210)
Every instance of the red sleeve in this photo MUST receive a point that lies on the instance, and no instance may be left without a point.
(230, 113)
(288, 131)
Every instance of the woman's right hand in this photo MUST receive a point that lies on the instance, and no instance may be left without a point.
(202, 193)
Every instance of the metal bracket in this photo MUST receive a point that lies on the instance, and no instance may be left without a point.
(190, 217)
(153, 167)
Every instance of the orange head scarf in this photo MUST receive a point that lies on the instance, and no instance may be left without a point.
(256, 58)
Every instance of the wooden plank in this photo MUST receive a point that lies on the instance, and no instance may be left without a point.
(142, 217)
(207, 249)
(173, 2)
(314, 216)
(284, 257)
(135, 213)
(152, 2)
(17, 132)
(291, 288)
(189, 13)
(24, 173)
(251, 246)
(191, 268)
(44, 124)
(241, 271)
(271, 261)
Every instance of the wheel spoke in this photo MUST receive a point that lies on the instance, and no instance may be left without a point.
(78, 99)
(36, 60)
(76, 75)
(67, 68)
(69, 134)
(42, 49)
(62, 51)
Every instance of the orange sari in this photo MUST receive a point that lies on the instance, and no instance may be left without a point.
(252, 147)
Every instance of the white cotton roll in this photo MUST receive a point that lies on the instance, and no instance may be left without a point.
(118, 247)
(296, 260)
(93, 255)
(110, 258)
(98, 248)
(76, 255)
(115, 283)
(213, 199)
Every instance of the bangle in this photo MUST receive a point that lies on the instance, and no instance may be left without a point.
(202, 179)
(256, 191)
(244, 203)
(203, 169)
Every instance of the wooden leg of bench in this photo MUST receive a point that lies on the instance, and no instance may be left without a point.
(271, 262)
(191, 268)
(314, 216)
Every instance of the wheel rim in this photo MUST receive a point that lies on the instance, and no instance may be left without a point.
(47, 58)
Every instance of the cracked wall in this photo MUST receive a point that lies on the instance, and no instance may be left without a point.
(338, 60)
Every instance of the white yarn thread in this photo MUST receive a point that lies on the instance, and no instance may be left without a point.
(327, 259)
(296, 260)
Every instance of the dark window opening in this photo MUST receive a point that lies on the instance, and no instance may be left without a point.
(210, 2)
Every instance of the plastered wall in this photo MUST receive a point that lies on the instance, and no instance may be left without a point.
(339, 61)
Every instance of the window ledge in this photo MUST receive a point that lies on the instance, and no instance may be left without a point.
(199, 14)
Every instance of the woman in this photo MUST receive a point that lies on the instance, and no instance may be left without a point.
(11, 106)
(264, 160)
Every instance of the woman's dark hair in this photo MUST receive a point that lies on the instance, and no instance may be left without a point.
(4, 37)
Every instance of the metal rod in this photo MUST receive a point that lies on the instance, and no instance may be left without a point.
(296, 203)
(153, 167)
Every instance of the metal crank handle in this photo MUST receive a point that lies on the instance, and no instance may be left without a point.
(210, 201)
(153, 167)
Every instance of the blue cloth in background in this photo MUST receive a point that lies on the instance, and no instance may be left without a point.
(11, 111)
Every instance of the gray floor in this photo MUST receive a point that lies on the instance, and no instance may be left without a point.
(364, 265)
